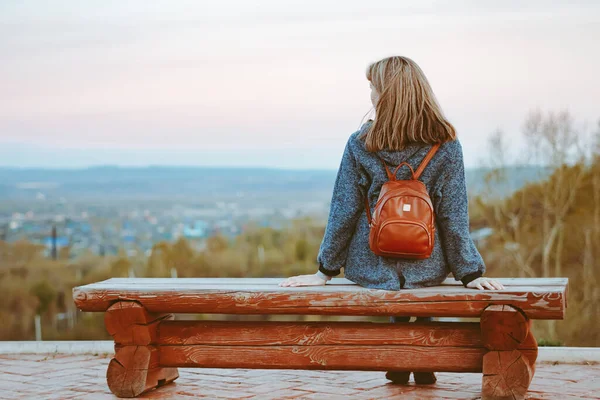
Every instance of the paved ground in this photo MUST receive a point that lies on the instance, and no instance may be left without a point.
(33, 376)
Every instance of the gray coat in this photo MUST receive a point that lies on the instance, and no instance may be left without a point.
(346, 240)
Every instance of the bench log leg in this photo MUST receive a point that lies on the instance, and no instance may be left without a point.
(507, 371)
(135, 368)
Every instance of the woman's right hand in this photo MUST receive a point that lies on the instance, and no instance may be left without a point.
(304, 280)
(483, 283)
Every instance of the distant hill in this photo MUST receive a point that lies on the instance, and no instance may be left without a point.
(516, 178)
(162, 182)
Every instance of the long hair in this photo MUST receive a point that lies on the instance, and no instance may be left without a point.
(407, 111)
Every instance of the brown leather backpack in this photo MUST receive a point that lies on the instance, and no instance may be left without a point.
(402, 224)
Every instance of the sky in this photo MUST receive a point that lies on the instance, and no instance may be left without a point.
(274, 83)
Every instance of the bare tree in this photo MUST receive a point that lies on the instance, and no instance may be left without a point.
(530, 224)
(510, 223)
(555, 142)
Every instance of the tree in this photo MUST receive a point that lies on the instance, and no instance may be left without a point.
(549, 228)
(120, 268)
(217, 243)
(45, 294)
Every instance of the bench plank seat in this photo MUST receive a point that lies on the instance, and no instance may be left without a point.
(538, 298)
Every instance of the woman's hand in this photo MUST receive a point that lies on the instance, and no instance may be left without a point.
(304, 280)
(482, 283)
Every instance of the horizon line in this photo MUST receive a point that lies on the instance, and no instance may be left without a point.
(172, 166)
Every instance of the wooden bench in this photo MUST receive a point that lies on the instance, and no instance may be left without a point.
(150, 345)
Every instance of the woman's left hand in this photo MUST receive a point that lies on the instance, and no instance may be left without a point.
(482, 283)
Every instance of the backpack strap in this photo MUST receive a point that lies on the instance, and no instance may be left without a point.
(368, 210)
(426, 160)
(387, 170)
(398, 167)
(392, 175)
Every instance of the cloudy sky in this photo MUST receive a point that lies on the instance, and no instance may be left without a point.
(273, 83)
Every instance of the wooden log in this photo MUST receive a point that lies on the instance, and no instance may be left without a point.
(506, 375)
(509, 367)
(265, 333)
(135, 367)
(128, 322)
(503, 327)
(325, 357)
(135, 370)
(538, 302)
(313, 333)
(186, 342)
(532, 349)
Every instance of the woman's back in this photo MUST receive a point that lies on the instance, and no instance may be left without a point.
(361, 173)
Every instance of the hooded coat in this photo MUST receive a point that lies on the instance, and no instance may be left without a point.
(346, 240)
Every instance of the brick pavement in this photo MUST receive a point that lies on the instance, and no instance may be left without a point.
(60, 376)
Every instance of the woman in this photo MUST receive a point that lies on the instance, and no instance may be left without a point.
(408, 120)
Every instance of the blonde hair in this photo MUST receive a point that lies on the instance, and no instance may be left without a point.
(407, 110)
